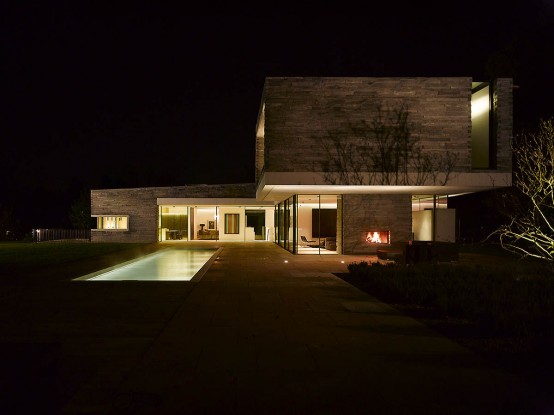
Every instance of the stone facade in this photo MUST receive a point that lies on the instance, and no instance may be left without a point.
(140, 204)
(301, 113)
(503, 122)
(363, 213)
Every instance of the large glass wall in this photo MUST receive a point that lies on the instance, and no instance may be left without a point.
(285, 217)
(215, 223)
(307, 224)
(204, 223)
(317, 224)
(290, 214)
(433, 219)
(173, 223)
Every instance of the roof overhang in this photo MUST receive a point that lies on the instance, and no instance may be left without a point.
(212, 201)
(277, 186)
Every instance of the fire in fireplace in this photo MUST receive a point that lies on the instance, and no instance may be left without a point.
(378, 237)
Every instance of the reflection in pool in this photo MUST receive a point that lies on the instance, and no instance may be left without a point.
(172, 264)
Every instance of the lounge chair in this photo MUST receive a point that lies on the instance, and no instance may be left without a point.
(309, 242)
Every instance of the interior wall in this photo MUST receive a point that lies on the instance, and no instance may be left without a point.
(242, 223)
(270, 223)
(305, 220)
(445, 225)
(422, 225)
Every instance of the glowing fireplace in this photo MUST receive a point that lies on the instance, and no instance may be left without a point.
(377, 237)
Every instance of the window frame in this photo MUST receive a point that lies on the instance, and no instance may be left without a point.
(108, 229)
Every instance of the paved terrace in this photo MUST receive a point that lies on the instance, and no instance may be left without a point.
(255, 335)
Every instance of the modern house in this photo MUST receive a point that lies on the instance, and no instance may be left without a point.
(343, 165)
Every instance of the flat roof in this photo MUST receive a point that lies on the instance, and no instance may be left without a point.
(213, 201)
(277, 186)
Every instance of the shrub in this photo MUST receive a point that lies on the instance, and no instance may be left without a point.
(496, 300)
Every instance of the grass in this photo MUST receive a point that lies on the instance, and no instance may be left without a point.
(22, 262)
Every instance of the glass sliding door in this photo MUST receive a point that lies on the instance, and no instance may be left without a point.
(173, 223)
(290, 224)
(294, 225)
(285, 224)
(317, 224)
(204, 223)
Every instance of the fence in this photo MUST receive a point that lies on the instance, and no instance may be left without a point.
(43, 235)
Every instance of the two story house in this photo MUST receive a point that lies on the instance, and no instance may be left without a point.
(343, 165)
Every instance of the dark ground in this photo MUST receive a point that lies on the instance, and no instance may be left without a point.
(528, 357)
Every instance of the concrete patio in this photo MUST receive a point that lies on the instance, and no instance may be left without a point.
(263, 332)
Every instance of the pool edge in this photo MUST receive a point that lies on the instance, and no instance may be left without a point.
(198, 276)
(122, 264)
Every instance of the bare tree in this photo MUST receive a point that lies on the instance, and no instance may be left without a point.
(383, 151)
(530, 229)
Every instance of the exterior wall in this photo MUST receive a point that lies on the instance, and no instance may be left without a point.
(141, 206)
(374, 212)
(301, 112)
(503, 122)
(340, 246)
(260, 137)
(259, 157)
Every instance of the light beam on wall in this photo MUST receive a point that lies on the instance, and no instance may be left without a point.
(480, 106)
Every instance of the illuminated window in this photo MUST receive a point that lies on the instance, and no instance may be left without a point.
(112, 222)
(480, 126)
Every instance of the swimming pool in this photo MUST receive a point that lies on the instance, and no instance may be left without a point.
(171, 264)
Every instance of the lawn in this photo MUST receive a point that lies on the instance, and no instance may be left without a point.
(55, 261)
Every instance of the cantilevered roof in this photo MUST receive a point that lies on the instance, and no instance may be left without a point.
(277, 186)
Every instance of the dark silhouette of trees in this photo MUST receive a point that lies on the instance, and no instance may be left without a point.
(79, 212)
(9, 224)
(383, 151)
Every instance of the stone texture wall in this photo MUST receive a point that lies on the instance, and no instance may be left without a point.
(260, 149)
(301, 112)
(503, 122)
(339, 225)
(362, 213)
(141, 206)
(259, 157)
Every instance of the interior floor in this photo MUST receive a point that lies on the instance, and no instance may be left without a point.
(306, 250)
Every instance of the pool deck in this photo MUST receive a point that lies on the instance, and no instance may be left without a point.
(255, 335)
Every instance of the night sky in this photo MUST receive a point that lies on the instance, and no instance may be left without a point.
(98, 98)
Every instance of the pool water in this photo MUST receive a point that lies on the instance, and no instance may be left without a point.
(172, 264)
